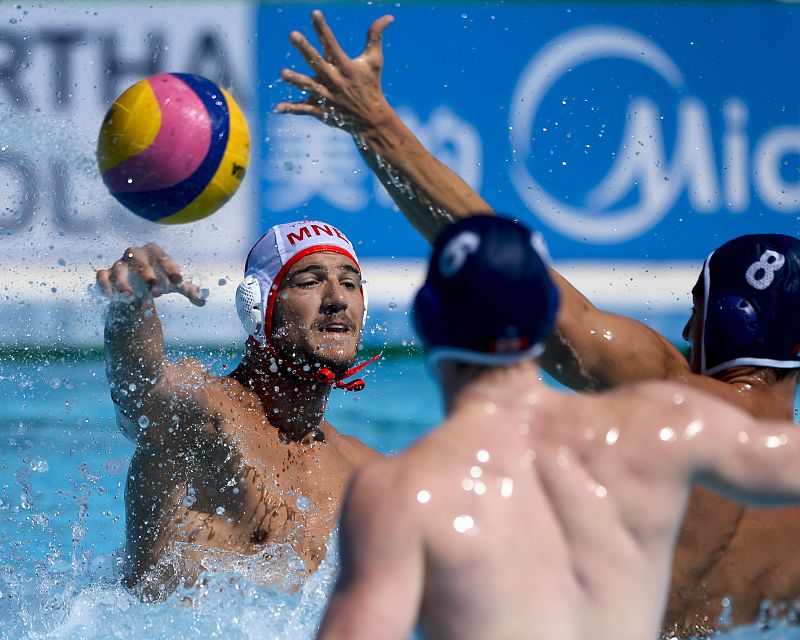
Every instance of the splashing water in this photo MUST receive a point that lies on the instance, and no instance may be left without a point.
(63, 465)
(228, 601)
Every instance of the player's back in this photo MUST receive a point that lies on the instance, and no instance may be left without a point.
(537, 518)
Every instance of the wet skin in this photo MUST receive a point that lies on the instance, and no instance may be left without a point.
(235, 463)
(532, 513)
(724, 545)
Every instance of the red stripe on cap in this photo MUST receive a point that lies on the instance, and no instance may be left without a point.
(282, 274)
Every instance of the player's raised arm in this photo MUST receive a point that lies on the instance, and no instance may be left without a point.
(134, 343)
(591, 349)
(347, 93)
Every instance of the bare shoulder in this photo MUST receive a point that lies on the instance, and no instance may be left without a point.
(378, 493)
(187, 373)
(351, 447)
(184, 392)
(189, 382)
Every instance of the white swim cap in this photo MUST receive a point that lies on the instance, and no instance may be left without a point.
(271, 258)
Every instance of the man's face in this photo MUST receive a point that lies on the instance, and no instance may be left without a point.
(318, 312)
(692, 332)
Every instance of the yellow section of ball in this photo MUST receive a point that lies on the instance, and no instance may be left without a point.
(229, 174)
(130, 126)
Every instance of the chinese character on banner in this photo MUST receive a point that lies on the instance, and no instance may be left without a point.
(308, 159)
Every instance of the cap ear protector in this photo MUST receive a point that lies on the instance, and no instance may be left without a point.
(249, 308)
(732, 319)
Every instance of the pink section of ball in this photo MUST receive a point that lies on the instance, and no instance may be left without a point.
(179, 147)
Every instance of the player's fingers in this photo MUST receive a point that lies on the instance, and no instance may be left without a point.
(309, 53)
(168, 268)
(330, 45)
(300, 108)
(193, 292)
(138, 261)
(304, 82)
(104, 281)
(374, 46)
(119, 277)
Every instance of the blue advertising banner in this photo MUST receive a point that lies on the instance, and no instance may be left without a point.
(627, 131)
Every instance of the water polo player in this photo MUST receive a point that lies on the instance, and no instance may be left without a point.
(203, 478)
(593, 350)
(530, 512)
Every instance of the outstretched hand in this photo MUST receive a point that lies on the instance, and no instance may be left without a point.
(345, 92)
(144, 272)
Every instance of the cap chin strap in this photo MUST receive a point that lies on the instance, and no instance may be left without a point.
(326, 376)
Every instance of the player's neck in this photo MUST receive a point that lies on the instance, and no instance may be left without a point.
(293, 404)
(463, 384)
(772, 396)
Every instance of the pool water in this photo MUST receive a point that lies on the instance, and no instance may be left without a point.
(62, 475)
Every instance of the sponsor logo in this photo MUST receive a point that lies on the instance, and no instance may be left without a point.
(643, 182)
(304, 233)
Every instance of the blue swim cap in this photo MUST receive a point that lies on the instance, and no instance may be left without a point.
(751, 292)
(487, 298)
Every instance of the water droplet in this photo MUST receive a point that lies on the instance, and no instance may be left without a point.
(303, 503)
(144, 422)
(600, 491)
(666, 434)
(462, 524)
(482, 455)
(692, 429)
(188, 501)
(220, 510)
(222, 282)
(423, 497)
(54, 383)
(773, 442)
